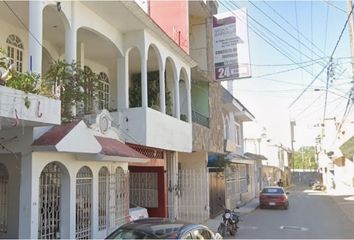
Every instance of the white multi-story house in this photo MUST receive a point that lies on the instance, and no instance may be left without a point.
(71, 180)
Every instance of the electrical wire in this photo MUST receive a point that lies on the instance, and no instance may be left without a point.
(334, 49)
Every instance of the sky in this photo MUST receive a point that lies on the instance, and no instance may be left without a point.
(301, 37)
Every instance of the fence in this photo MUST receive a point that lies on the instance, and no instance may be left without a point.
(193, 198)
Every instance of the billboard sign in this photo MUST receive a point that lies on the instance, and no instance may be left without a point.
(231, 50)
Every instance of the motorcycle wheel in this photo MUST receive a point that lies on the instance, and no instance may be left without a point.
(222, 229)
(233, 232)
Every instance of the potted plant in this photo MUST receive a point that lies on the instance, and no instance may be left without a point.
(73, 85)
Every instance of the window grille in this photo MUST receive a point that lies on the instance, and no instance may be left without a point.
(15, 51)
(103, 198)
(103, 91)
(4, 179)
(121, 198)
(143, 189)
(83, 203)
(49, 202)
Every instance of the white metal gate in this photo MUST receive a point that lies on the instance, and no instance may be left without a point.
(49, 202)
(4, 179)
(233, 185)
(83, 203)
(143, 189)
(121, 196)
(193, 201)
(103, 198)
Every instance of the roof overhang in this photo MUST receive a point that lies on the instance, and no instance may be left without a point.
(78, 139)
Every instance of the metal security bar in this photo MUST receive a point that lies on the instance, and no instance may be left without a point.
(200, 119)
(4, 179)
(143, 189)
(49, 202)
(193, 199)
(121, 196)
(83, 203)
(233, 185)
(103, 198)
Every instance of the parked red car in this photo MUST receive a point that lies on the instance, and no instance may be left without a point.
(273, 197)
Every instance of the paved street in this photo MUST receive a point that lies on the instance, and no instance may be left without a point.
(311, 215)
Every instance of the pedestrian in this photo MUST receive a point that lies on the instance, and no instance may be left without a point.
(280, 183)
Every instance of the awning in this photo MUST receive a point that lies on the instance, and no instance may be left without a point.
(255, 156)
(78, 139)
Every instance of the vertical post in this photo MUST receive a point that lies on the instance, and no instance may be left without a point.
(144, 83)
(172, 172)
(162, 88)
(177, 105)
(71, 38)
(189, 102)
(36, 36)
(123, 82)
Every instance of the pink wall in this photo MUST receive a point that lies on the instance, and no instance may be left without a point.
(172, 17)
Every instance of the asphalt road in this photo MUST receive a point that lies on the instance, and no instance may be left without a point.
(311, 214)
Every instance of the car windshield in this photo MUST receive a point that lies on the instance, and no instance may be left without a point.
(273, 190)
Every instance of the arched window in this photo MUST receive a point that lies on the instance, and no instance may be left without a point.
(88, 88)
(83, 203)
(4, 179)
(15, 51)
(103, 198)
(49, 202)
(103, 91)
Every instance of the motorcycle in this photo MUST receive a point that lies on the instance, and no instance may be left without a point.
(230, 219)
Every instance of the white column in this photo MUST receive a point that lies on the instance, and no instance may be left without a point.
(71, 38)
(162, 88)
(189, 102)
(36, 37)
(177, 103)
(123, 82)
(68, 206)
(144, 93)
(29, 194)
(70, 45)
(81, 54)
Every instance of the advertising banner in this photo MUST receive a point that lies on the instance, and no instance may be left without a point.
(231, 50)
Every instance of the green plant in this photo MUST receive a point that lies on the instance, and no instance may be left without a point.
(76, 85)
(27, 82)
(3, 58)
(183, 117)
(153, 92)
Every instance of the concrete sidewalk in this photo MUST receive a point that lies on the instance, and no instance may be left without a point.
(345, 201)
(249, 207)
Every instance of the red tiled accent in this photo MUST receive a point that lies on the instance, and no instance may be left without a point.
(55, 134)
(113, 147)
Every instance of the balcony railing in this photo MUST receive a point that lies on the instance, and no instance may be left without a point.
(200, 119)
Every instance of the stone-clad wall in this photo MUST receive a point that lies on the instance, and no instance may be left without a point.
(211, 139)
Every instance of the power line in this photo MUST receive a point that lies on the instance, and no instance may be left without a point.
(326, 30)
(335, 48)
(334, 6)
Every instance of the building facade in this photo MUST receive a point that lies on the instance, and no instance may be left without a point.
(77, 180)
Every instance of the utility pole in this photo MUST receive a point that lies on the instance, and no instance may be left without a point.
(292, 124)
